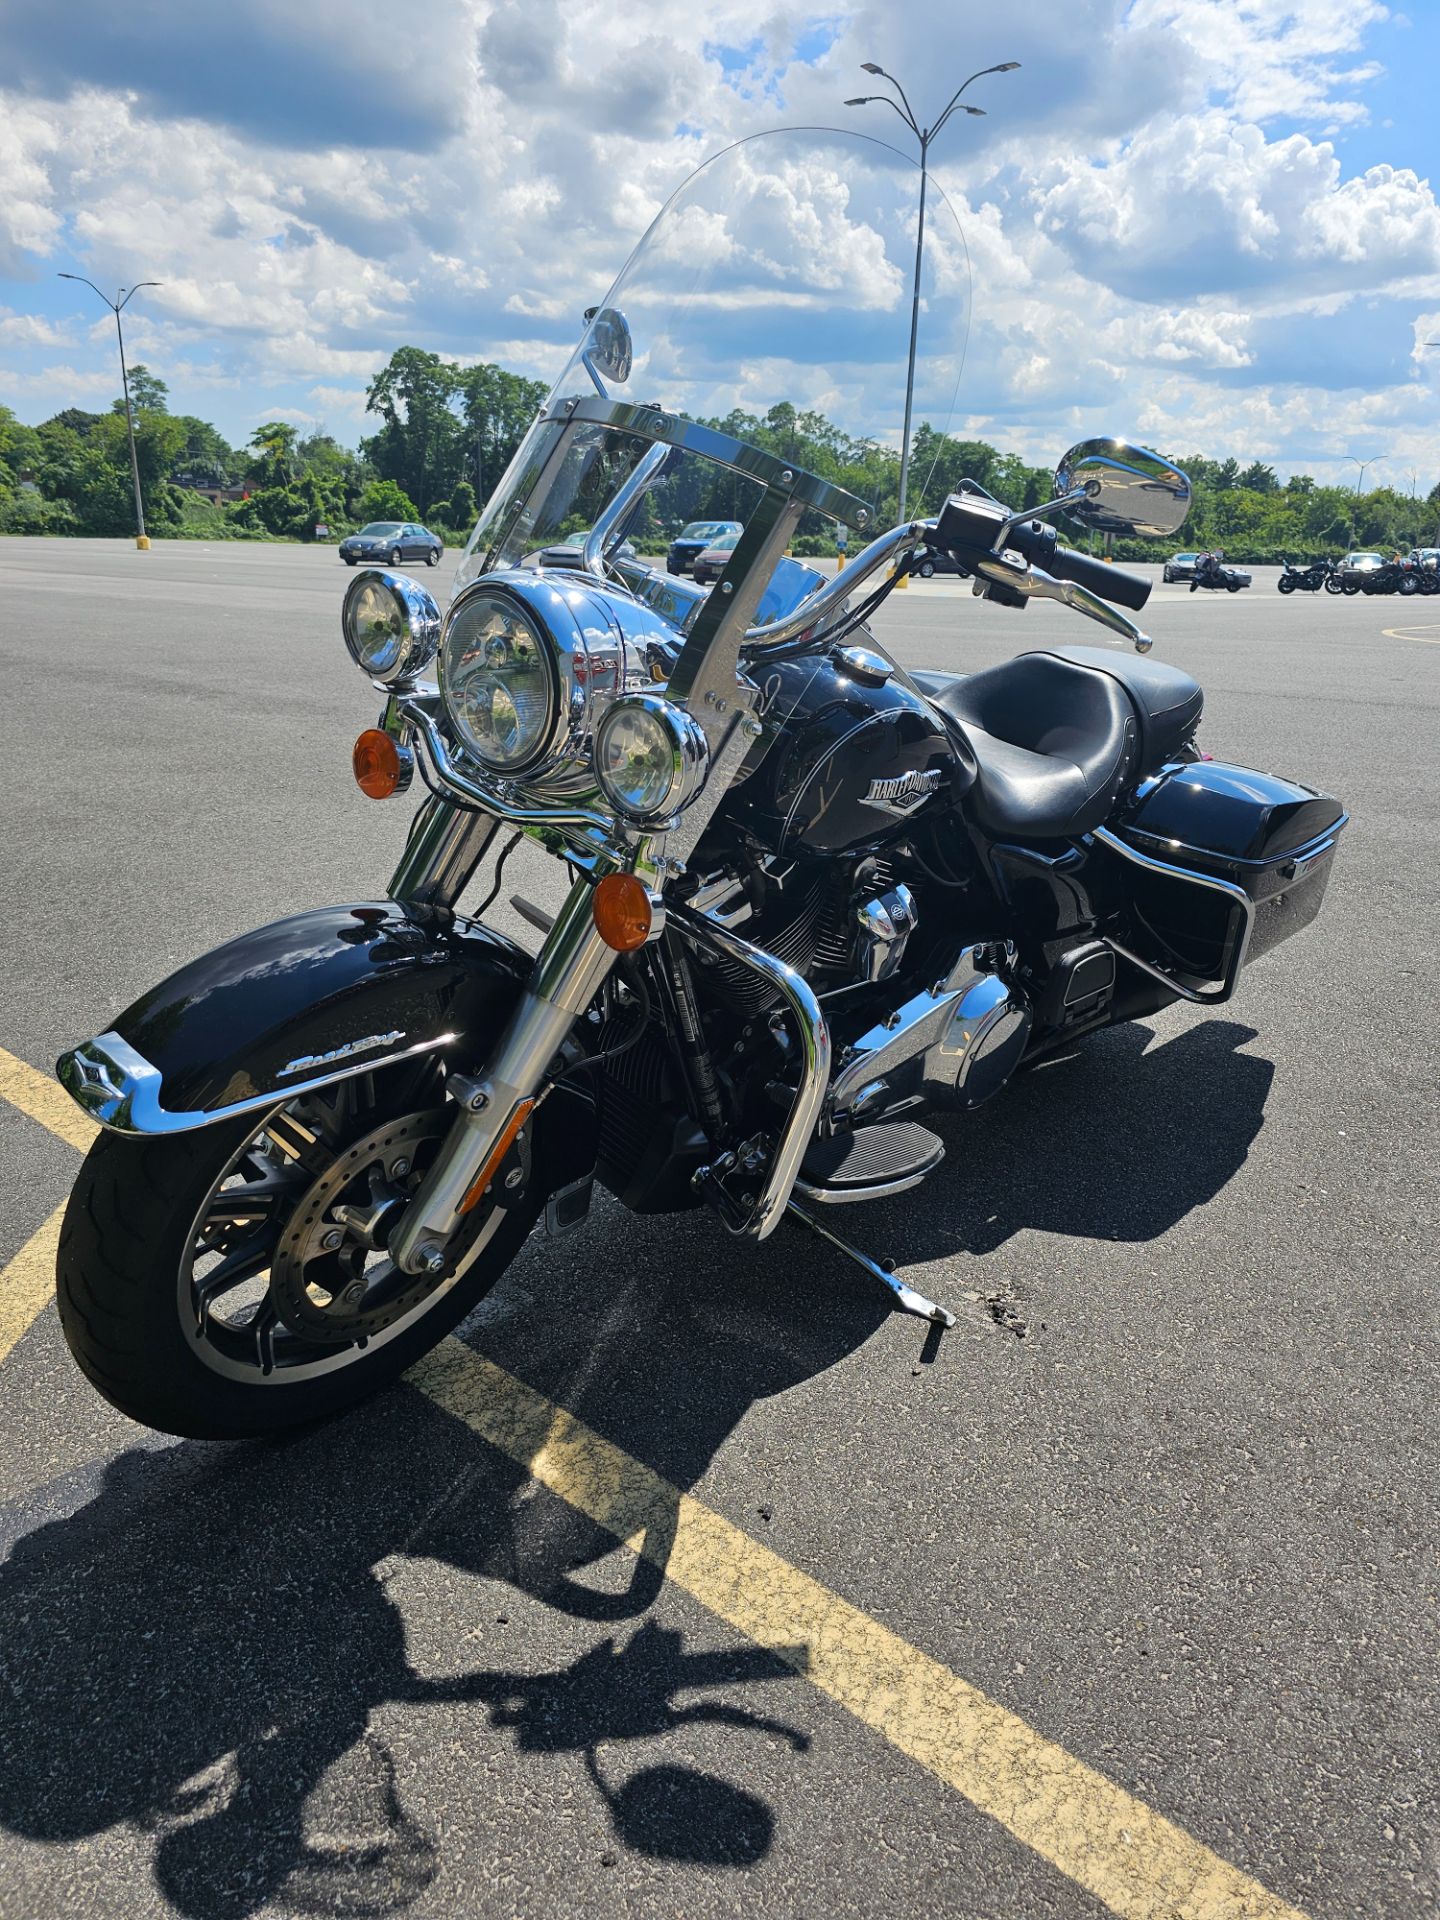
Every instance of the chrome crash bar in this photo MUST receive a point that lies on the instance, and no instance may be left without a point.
(762, 1218)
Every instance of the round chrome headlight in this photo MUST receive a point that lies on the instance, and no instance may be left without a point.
(650, 757)
(391, 625)
(500, 681)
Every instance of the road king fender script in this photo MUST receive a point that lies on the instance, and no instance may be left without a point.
(293, 1005)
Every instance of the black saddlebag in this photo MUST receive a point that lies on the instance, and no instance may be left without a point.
(1270, 843)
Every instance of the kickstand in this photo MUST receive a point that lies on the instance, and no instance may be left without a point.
(906, 1298)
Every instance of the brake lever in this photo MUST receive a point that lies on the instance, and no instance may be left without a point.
(1035, 584)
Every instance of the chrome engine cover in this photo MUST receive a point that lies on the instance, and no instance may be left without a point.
(952, 1045)
(980, 1046)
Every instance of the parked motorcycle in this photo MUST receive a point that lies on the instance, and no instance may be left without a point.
(809, 897)
(1307, 579)
(1216, 578)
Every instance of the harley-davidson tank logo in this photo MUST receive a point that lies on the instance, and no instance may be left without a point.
(904, 792)
(308, 1062)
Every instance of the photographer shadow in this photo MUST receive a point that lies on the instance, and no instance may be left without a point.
(202, 1652)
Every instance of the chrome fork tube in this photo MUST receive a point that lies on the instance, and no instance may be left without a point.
(568, 972)
(446, 845)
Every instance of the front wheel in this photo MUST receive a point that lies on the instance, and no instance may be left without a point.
(234, 1281)
(926, 569)
(432, 559)
(1334, 584)
(1409, 584)
(395, 556)
(1285, 583)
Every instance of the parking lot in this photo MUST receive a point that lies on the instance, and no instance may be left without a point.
(686, 1580)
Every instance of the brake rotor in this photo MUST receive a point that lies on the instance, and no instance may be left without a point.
(332, 1277)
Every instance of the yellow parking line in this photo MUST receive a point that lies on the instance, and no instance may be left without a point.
(27, 1284)
(1128, 1856)
(45, 1100)
(1139, 1864)
(1428, 635)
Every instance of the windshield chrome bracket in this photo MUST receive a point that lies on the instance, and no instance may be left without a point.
(609, 529)
(708, 671)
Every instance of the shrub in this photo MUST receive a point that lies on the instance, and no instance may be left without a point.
(384, 500)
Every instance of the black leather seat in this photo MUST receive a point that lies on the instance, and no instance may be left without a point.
(1057, 735)
(1055, 743)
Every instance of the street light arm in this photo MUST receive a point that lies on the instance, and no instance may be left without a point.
(908, 114)
(869, 99)
(134, 290)
(80, 278)
(1005, 66)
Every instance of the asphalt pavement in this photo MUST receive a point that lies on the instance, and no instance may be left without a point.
(1156, 1521)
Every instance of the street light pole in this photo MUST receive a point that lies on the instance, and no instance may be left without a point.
(117, 307)
(1363, 465)
(924, 135)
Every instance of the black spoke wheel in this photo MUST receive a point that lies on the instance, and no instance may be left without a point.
(236, 1280)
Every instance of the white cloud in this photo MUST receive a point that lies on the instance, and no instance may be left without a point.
(1159, 229)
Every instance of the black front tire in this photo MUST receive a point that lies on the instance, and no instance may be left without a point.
(926, 569)
(432, 559)
(395, 556)
(128, 1229)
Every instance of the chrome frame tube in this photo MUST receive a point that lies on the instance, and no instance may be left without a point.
(489, 799)
(814, 1037)
(568, 972)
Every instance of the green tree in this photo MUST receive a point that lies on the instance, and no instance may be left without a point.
(464, 510)
(383, 500)
(273, 446)
(148, 393)
(419, 446)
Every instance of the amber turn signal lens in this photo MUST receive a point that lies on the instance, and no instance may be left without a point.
(379, 770)
(621, 907)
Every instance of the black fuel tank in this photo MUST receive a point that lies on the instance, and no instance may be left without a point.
(849, 754)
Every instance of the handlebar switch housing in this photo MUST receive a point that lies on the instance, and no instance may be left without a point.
(969, 521)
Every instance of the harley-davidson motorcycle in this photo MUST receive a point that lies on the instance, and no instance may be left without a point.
(1310, 578)
(808, 898)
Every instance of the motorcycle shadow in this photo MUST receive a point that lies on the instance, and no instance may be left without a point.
(1118, 1141)
(213, 1651)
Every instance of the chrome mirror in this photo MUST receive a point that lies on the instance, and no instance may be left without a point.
(608, 349)
(1112, 487)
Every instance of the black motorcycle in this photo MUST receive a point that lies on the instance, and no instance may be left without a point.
(1216, 578)
(1307, 579)
(806, 897)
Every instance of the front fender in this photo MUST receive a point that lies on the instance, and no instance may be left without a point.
(294, 1006)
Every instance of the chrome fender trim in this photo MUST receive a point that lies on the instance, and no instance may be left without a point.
(120, 1089)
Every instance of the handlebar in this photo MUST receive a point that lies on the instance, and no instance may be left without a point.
(1040, 544)
(1125, 589)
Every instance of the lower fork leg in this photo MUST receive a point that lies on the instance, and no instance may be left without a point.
(906, 1298)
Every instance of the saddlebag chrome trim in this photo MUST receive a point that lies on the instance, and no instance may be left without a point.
(1237, 896)
(814, 1037)
(120, 1089)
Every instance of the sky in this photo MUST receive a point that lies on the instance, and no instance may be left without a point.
(1209, 225)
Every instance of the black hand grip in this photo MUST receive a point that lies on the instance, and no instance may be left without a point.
(1125, 589)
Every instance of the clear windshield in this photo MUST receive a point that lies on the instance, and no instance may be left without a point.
(770, 299)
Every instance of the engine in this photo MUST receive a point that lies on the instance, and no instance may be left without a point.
(834, 923)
